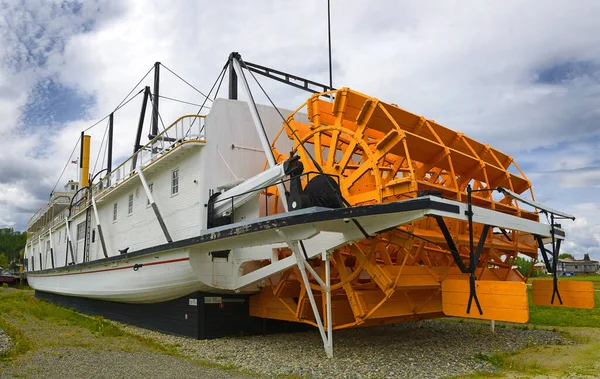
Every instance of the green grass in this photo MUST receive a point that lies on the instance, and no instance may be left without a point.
(559, 360)
(19, 302)
(556, 316)
(593, 278)
(22, 315)
(496, 359)
(21, 344)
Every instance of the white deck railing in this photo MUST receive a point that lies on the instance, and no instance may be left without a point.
(185, 128)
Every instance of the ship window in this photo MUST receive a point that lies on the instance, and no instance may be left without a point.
(130, 207)
(72, 187)
(81, 231)
(115, 212)
(93, 235)
(59, 236)
(175, 182)
(151, 188)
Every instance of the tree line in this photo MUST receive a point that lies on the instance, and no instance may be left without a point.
(11, 244)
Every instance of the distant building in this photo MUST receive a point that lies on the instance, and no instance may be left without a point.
(577, 266)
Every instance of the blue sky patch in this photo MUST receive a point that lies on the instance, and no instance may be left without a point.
(52, 104)
(561, 72)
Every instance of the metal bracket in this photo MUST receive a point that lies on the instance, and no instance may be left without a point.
(474, 254)
(555, 252)
(304, 266)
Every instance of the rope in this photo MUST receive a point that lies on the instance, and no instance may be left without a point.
(226, 164)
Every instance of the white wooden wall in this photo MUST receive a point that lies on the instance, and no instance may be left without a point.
(201, 168)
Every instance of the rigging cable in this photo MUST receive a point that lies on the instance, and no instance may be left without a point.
(221, 76)
(179, 101)
(186, 82)
(338, 191)
(159, 116)
(66, 165)
(329, 36)
(121, 105)
(134, 87)
(100, 149)
(257, 113)
(116, 109)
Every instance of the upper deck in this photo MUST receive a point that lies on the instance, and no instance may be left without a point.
(185, 129)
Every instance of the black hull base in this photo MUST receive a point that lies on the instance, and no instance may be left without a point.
(199, 315)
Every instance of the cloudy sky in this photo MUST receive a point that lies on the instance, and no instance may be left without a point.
(523, 76)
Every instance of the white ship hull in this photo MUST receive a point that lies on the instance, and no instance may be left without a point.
(161, 277)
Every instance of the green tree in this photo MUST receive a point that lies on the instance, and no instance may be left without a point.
(566, 255)
(11, 244)
(586, 257)
(523, 265)
(4, 261)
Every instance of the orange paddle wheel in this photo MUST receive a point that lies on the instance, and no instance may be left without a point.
(382, 153)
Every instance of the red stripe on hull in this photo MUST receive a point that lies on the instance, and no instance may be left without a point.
(115, 268)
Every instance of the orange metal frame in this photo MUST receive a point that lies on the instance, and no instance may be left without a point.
(382, 153)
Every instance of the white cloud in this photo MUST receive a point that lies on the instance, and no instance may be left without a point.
(477, 67)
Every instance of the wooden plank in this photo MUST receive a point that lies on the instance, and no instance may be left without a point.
(501, 301)
(574, 294)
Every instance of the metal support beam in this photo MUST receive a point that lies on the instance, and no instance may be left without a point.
(233, 83)
(110, 144)
(138, 136)
(289, 79)
(303, 266)
(155, 98)
(69, 243)
(100, 234)
(154, 206)
(329, 347)
(51, 248)
(41, 249)
(542, 207)
(260, 129)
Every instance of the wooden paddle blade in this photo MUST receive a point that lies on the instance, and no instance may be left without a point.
(500, 301)
(574, 293)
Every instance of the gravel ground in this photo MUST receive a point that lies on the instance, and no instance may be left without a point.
(61, 350)
(5, 342)
(83, 362)
(426, 349)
